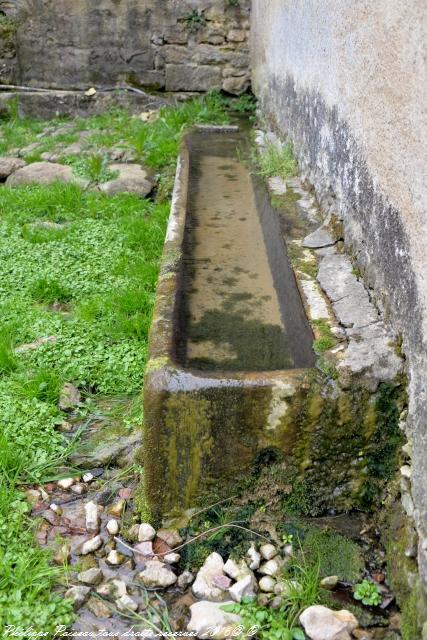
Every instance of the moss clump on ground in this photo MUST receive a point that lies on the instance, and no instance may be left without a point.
(338, 556)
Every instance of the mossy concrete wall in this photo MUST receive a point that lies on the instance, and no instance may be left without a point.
(180, 45)
(345, 81)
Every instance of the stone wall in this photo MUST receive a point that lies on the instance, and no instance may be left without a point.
(346, 82)
(179, 45)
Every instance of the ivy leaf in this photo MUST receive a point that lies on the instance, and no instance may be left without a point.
(298, 634)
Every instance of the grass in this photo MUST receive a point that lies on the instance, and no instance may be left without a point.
(98, 257)
(277, 160)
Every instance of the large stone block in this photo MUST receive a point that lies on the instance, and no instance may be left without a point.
(192, 77)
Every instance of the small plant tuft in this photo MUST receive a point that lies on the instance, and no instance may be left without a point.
(368, 593)
(277, 160)
(49, 291)
(94, 168)
(194, 20)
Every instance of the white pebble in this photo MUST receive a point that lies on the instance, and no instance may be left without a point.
(78, 488)
(125, 603)
(146, 532)
(113, 527)
(172, 558)
(56, 509)
(268, 551)
(87, 477)
(91, 545)
(92, 517)
(269, 568)
(267, 584)
(115, 558)
(255, 558)
(65, 483)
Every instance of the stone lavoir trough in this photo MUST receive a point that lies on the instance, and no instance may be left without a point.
(231, 381)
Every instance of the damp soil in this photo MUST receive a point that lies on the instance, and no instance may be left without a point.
(241, 306)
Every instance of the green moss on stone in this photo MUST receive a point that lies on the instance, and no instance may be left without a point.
(187, 440)
(338, 556)
(410, 627)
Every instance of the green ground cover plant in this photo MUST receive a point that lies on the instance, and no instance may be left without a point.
(80, 268)
(368, 593)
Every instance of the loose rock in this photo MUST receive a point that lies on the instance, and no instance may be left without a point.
(63, 555)
(92, 576)
(170, 536)
(270, 568)
(144, 548)
(113, 589)
(125, 602)
(268, 551)
(42, 173)
(208, 620)
(156, 574)
(255, 558)
(185, 579)
(79, 595)
(8, 165)
(91, 545)
(115, 558)
(172, 558)
(321, 623)
(204, 586)
(33, 496)
(146, 532)
(113, 527)
(243, 588)
(132, 178)
(236, 570)
(69, 397)
(55, 508)
(98, 608)
(267, 584)
(78, 489)
(117, 509)
(92, 517)
(285, 587)
(330, 582)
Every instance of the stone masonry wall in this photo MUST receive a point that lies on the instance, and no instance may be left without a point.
(346, 82)
(179, 45)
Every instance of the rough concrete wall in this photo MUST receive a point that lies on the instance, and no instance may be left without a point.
(347, 82)
(179, 45)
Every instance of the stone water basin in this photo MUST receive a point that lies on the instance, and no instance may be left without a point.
(230, 343)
